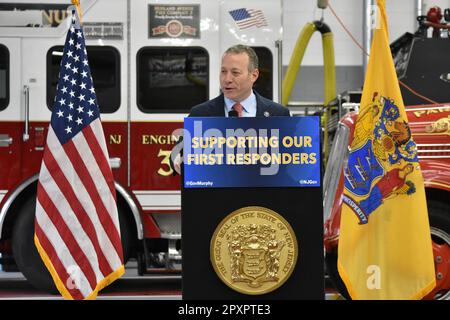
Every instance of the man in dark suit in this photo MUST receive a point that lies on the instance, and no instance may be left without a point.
(239, 71)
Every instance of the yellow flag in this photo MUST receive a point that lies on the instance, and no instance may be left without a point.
(385, 247)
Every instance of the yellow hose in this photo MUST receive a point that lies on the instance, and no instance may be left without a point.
(329, 68)
(296, 60)
(329, 71)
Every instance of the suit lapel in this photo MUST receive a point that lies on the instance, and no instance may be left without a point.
(262, 110)
(218, 107)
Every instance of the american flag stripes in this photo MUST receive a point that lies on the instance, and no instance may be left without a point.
(77, 229)
(246, 18)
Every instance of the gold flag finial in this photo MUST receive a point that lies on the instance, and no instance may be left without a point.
(80, 13)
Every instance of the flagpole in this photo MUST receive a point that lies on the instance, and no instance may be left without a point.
(367, 32)
(77, 230)
(419, 7)
(384, 194)
(80, 13)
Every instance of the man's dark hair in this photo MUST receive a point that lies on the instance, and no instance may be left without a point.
(253, 58)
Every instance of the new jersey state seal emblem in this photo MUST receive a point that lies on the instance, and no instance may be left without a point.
(254, 250)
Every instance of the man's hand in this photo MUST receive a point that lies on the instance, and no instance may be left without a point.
(177, 164)
(176, 156)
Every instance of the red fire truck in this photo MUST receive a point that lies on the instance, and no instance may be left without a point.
(151, 61)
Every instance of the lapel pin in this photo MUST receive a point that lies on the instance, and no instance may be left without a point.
(266, 114)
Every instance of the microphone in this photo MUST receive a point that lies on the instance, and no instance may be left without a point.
(232, 113)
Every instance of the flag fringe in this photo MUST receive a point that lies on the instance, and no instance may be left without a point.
(418, 296)
(59, 284)
(426, 290)
(346, 281)
(106, 282)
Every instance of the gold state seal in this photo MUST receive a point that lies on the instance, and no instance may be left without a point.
(254, 250)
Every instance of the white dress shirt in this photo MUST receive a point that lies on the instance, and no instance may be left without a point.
(248, 106)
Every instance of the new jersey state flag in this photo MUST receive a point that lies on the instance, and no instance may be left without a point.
(77, 230)
(385, 249)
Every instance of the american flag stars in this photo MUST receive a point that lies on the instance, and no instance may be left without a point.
(75, 99)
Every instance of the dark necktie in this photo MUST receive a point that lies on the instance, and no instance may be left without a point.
(238, 108)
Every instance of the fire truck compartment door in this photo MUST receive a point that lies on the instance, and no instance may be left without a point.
(11, 111)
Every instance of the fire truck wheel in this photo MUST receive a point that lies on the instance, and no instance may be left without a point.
(25, 253)
(332, 271)
(439, 214)
(27, 257)
(125, 232)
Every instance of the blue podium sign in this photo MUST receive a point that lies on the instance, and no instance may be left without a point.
(251, 152)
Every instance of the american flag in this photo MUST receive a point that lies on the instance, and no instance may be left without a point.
(77, 229)
(246, 18)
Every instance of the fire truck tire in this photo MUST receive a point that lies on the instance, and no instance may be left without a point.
(332, 271)
(439, 214)
(27, 257)
(25, 253)
(126, 232)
